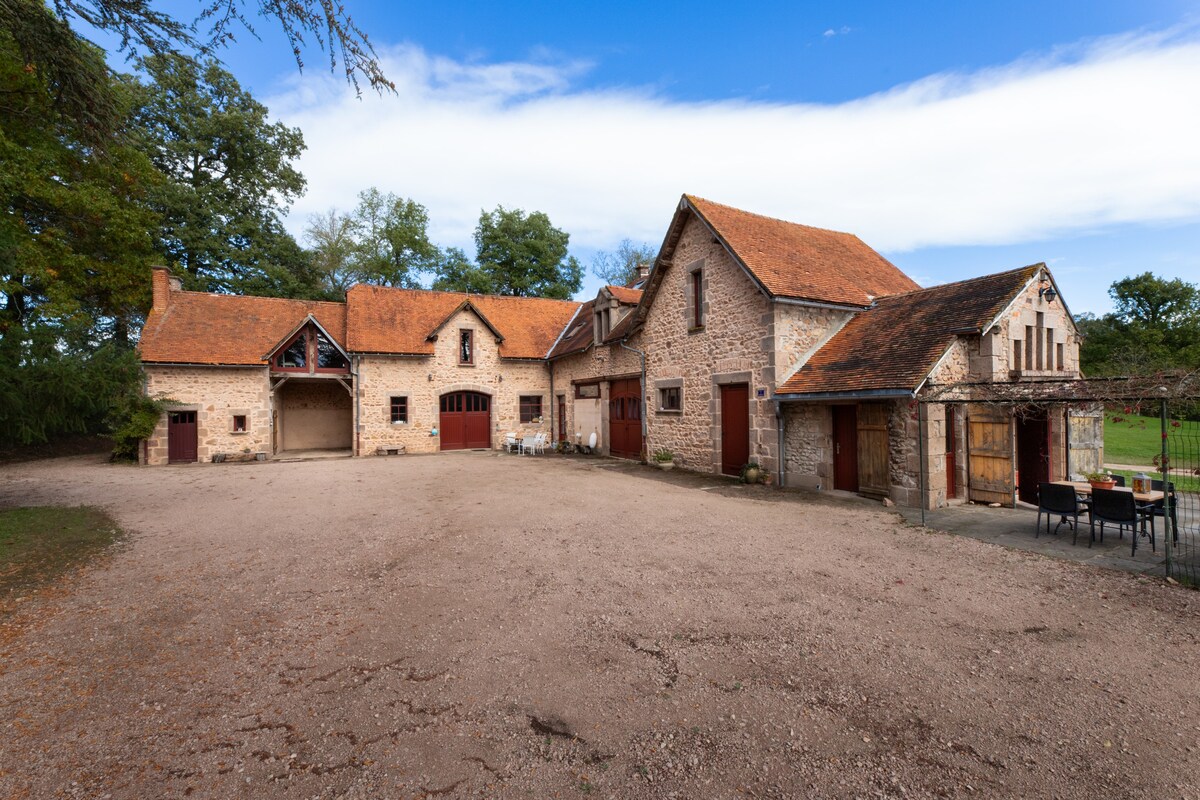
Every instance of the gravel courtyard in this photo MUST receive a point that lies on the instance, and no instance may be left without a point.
(490, 625)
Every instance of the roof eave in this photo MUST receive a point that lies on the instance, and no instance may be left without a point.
(852, 394)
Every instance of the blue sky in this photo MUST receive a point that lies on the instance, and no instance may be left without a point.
(957, 138)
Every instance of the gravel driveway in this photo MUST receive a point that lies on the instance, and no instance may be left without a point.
(491, 625)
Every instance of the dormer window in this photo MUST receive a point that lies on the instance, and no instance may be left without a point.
(466, 346)
(310, 351)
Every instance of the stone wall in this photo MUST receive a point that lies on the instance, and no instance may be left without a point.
(736, 344)
(808, 445)
(1000, 356)
(216, 394)
(424, 380)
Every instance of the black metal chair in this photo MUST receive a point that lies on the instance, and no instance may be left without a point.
(1120, 508)
(1119, 480)
(1158, 508)
(1061, 500)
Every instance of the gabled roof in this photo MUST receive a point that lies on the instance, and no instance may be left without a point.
(578, 337)
(400, 321)
(290, 335)
(463, 306)
(799, 261)
(895, 344)
(202, 328)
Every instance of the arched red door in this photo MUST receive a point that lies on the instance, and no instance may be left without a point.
(466, 421)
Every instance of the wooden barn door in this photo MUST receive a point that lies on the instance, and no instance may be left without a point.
(181, 437)
(873, 449)
(466, 421)
(990, 457)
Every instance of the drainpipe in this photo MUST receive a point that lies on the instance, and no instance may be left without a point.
(921, 458)
(357, 410)
(782, 469)
(553, 404)
(642, 356)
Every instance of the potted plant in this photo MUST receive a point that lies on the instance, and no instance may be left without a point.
(1101, 480)
(664, 459)
(752, 473)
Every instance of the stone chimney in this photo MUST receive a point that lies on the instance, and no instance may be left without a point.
(643, 272)
(164, 283)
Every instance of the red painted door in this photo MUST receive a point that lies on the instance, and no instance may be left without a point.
(466, 421)
(562, 418)
(845, 448)
(625, 419)
(181, 436)
(735, 427)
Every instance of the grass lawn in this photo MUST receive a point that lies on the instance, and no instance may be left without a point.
(39, 544)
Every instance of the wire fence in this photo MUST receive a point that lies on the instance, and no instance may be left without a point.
(1179, 468)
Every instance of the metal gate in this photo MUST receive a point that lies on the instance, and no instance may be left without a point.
(1179, 468)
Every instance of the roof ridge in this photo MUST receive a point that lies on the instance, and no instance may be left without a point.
(467, 295)
(692, 197)
(258, 297)
(941, 286)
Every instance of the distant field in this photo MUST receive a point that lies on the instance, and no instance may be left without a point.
(1136, 440)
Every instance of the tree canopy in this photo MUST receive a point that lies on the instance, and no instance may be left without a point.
(230, 179)
(1155, 326)
(620, 267)
(516, 254)
(47, 40)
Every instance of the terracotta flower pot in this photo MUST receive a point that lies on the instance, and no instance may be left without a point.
(1103, 484)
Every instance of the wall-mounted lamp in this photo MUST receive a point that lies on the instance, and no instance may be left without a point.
(1047, 291)
(500, 378)
(431, 376)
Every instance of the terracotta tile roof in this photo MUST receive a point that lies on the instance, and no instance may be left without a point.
(385, 320)
(896, 343)
(578, 337)
(802, 262)
(201, 328)
(621, 329)
(626, 295)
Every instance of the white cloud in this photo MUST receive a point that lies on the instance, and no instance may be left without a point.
(1072, 141)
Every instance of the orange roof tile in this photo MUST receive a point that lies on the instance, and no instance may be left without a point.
(385, 320)
(625, 295)
(578, 337)
(201, 328)
(895, 344)
(802, 262)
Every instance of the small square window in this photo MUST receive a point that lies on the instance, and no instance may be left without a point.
(239, 423)
(531, 408)
(466, 347)
(399, 407)
(668, 399)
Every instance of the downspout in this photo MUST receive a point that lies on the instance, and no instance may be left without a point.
(642, 356)
(357, 410)
(553, 403)
(782, 455)
(921, 458)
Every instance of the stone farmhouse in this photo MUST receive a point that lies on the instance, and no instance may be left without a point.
(750, 339)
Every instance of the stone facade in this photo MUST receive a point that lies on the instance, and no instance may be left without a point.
(216, 394)
(800, 331)
(424, 380)
(734, 345)
(599, 364)
(808, 443)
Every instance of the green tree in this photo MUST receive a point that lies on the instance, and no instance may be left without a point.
(330, 235)
(456, 273)
(620, 267)
(1155, 326)
(230, 180)
(392, 247)
(520, 254)
(46, 40)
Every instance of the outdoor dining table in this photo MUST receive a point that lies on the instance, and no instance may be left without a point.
(1143, 498)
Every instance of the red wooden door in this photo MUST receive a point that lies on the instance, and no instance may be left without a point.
(466, 421)
(845, 448)
(951, 451)
(562, 418)
(625, 419)
(181, 436)
(735, 427)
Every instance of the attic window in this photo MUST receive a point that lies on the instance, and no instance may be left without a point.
(311, 351)
(295, 356)
(328, 356)
(466, 346)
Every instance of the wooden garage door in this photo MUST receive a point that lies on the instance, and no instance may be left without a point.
(466, 421)
(873, 449)
(625, 419)
(990, 457)
(181, 436)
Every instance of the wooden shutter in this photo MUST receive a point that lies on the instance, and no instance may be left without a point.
(990, 456)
